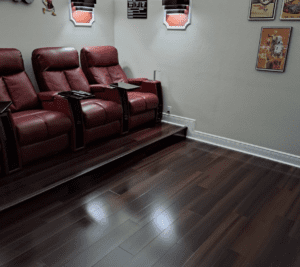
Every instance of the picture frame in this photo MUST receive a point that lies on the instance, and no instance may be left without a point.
(262, 9)
(273, 48)
(177, 14)
(290, 10)
(137, 9)
(82, 13)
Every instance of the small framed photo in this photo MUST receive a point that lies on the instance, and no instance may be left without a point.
(273, 48)
(290, 10)
(262, 9)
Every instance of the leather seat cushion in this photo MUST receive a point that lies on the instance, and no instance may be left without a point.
(141, 102)
(39, 125)
(97, 112)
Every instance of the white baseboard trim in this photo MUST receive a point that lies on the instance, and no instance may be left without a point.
(266, 153)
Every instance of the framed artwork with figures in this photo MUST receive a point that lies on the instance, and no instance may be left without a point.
(290, 10)
(262, 9)
(273, 48)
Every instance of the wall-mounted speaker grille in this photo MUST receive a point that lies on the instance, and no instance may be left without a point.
(176, 7)
(178, 11)
(175, 2)
(84, 9)
(84, 3)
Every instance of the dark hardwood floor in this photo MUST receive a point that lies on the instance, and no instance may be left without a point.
(174, 203)
(47, 173)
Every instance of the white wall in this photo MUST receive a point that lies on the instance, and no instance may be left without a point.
(208, 71)
(26, 28)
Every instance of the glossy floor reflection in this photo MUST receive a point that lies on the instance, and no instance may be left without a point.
(176, 203)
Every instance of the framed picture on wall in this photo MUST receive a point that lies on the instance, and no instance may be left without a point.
(262, 9)
(273, 48)
(290, 10)
(137, 9)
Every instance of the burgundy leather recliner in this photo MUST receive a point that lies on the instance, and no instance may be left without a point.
(39, 132)
(101, 66)
(57, 69)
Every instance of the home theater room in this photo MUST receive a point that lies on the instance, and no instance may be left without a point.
(149, 133)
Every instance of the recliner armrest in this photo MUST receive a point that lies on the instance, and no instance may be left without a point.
(47, 96)
(99, 87)
(149, 87)
(137, 81)
(105, 92)
(54, 102)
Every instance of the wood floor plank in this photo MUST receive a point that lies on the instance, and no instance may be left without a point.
(275, 244)
(176, 257)
(295, 231)
(227, 258)
(175, 203)
(206, 147)
(261, 188)
(66, 248)
(283, 181)
(241, 262)
(79, 243)
(42, 234)
(104, 246)
(264, 163)
(151, 230)
(169, 181)
(146, 234)
(184, 197)
(80, 199)
(36, 251)
(200, 161)
(211, 197)
(215, 174)
(278, 203)
(293, 183)
(116, 258)
(213, 257)
(110, 220)
(232, 180)
(164, 242)
(250, 242)
(127, 185)
(197, 236)
(213, 239)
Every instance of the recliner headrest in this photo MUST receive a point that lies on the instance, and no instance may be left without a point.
(56, 58)
(11, 61)
(100, 56)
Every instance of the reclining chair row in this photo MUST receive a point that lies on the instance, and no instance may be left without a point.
(48, 122)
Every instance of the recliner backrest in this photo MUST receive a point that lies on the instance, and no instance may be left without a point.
(101, 65)
(57, 69)
(15, 85)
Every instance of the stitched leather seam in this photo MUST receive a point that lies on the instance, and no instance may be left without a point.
(42, 111)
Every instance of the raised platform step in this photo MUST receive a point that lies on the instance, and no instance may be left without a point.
(51, 172)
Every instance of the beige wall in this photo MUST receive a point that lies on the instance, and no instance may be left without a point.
(208, 71)
(25, 27)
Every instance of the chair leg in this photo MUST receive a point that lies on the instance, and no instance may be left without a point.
(155, 121)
